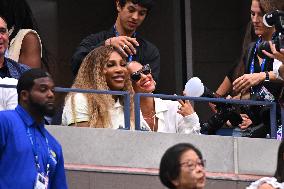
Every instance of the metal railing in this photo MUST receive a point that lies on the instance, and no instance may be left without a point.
(122, 93)
(137, 97)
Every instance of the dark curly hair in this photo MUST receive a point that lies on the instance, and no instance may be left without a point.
(148, 4)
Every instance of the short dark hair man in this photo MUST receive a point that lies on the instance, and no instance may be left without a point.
(123, 36)
(29, 156)
(8, 67)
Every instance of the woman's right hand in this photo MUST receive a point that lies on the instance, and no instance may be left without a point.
(185, 108)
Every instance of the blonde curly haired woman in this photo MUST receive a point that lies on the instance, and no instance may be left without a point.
(102, 69)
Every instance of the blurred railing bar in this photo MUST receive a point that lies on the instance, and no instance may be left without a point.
(7, 86)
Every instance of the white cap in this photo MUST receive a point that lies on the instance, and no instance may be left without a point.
(194, 87)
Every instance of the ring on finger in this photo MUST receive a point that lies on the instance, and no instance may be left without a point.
(124, 46)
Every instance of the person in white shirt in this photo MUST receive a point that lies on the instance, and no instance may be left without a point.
(8, 96)
(276, 182)
(161, 115)
(102, 69)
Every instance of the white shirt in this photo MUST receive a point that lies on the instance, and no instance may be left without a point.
(8, 96)
(81, 111)
(276, 66)
(269, 180)
(169, 121)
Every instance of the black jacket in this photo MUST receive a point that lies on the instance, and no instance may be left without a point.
(147, 53)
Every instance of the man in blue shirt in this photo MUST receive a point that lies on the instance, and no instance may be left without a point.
(29, 156)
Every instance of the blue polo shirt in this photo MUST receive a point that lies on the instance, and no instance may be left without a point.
(17, 162)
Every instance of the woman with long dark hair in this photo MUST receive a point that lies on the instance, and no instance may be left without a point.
(254, 77)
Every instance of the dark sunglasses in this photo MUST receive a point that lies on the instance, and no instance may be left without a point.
(136, 76)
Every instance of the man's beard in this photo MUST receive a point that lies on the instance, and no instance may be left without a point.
(44, 109)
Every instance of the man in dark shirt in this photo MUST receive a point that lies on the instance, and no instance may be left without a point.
(123, 36)
(8, 67)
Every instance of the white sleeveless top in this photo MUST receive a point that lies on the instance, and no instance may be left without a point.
(16, 44)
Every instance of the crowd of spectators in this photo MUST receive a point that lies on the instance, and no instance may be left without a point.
(121, 60)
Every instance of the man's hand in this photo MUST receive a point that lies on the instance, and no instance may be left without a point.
(243, 83)
(246, 121)
(275, 54)
(124, 44)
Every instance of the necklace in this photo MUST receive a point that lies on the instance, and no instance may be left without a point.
(150, 118)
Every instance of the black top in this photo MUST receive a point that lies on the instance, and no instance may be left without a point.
(147, 53)
(273, 87)
(230, 73)
(4, 71)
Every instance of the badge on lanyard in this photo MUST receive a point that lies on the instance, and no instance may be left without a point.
(41, 182)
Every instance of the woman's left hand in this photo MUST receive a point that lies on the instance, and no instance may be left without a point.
(243, 83)
(185, 108)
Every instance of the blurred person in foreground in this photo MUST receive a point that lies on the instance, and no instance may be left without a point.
(276, 182)
(183, 167)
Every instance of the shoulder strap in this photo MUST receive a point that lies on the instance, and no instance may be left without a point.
(249, 54)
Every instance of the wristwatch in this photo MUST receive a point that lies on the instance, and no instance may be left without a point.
(266, 76)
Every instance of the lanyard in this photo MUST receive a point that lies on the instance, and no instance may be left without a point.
(34, 148)
(130, 57)
(253, 58)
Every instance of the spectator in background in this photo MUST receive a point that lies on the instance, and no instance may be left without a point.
(256, 31)
(259, 69)
(102, 69)
(30, 156)
(157, 114)
(182, 167)
(276, 182)
(123, 36)
(254, 74)
(8, 67)
(25, 45)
